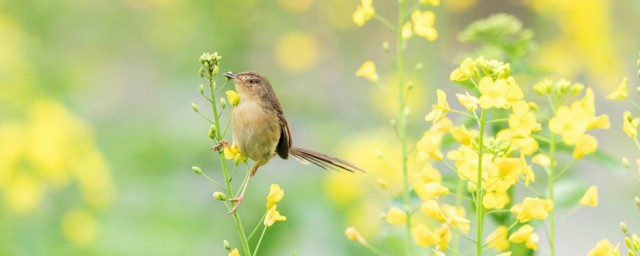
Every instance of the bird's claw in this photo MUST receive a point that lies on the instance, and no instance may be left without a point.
(220, 144)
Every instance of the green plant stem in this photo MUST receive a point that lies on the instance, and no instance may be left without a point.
(479, 189)
(225, 171)
(552, 212)
(402, 123)
(264, 230)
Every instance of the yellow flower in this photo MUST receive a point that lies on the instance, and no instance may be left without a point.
(233, 97)
(541, 159)
(455, 217)
(466, 71)
(498, 93)
(440, 109)
(504, 254)
(526, 235)
(396, 216)
(275, 195)
(630, 125)
(407, 31)
(233, 152)
(590, 197)
(521, 121)
(423, 24)
(495, 199)
(79, 226)
(353, 234)
(364, 12)
(423, 236)
(498, 239)
(368, 71)
(444, 236)
(532, 208)
(462, 135)
(272, 216)
(621, 91)
(587, 144)
(432, 209)
(467, 101)
(296, 51)
(604, 248)
(430, 2)
(234, 252)
(431, 190)
(429, 145)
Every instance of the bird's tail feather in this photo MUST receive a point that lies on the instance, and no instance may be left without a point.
(322, 160)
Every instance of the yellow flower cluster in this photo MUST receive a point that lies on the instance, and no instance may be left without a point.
(364, 12)
(233, 152)
(275, 195)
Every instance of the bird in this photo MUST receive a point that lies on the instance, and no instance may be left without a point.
(261, 131)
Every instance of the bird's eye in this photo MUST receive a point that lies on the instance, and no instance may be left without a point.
(252, 80)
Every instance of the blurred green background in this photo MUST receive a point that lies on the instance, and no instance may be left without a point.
(97, 137)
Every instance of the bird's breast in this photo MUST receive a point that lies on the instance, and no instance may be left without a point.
(256, 130)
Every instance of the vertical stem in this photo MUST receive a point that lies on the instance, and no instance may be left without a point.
(225, 171)
(479, 189)
(402, 122)
(552, 215)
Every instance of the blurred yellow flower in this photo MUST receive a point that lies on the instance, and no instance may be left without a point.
(459, 5)
(272, 216)
(465, 72)
(396, 216)
(364, 12)
(498, 93)
(234, 252)
(444, 237)
(275, 195)
(296, 51)
(467, 101)
(630, 124)
(526, 235)
(604, 248)
(455, 217)
(586, 144)
(430, 190)
(233, 97)
(590, 197)
(368, 71)
(430, 2)
(353, 234)
(296, 5)
(233, 152)
(541, 159)
(440, 109)
(79, 226)
(523, 122)
(432, 209)
(495, 199)
(462, 135)
(423, 236)
(407, 31)
(621, 92)
(48, 150)
(532, 208)
(498, 239)
(423, 24)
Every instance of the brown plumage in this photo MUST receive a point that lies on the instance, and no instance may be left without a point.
(261, 131)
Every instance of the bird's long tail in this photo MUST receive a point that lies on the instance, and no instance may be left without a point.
(322, 160)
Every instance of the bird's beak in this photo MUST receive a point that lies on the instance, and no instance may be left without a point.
(230, 75)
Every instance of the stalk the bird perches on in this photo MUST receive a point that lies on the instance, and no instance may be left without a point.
(261, 131)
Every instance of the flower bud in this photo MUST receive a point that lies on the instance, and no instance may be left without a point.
(196, 169)
(237, 159)
(353, 234)
(636, 242)
(226, 245)
(194, 107)
(419, 66)
(631, 253)
(637, 201)
(201, 89)
(385, 47)
(212, 132)
(223, 103)
(627, 240)
(215, 70)
(201, 72)
(625, 162)
(623, 227)
(219, 196)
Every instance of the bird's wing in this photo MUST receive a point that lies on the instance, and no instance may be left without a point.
(285, 142)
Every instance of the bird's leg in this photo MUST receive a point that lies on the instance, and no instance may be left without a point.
(239, 198)
(221, 143)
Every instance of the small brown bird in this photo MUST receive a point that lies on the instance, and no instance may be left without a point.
(261, 131)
